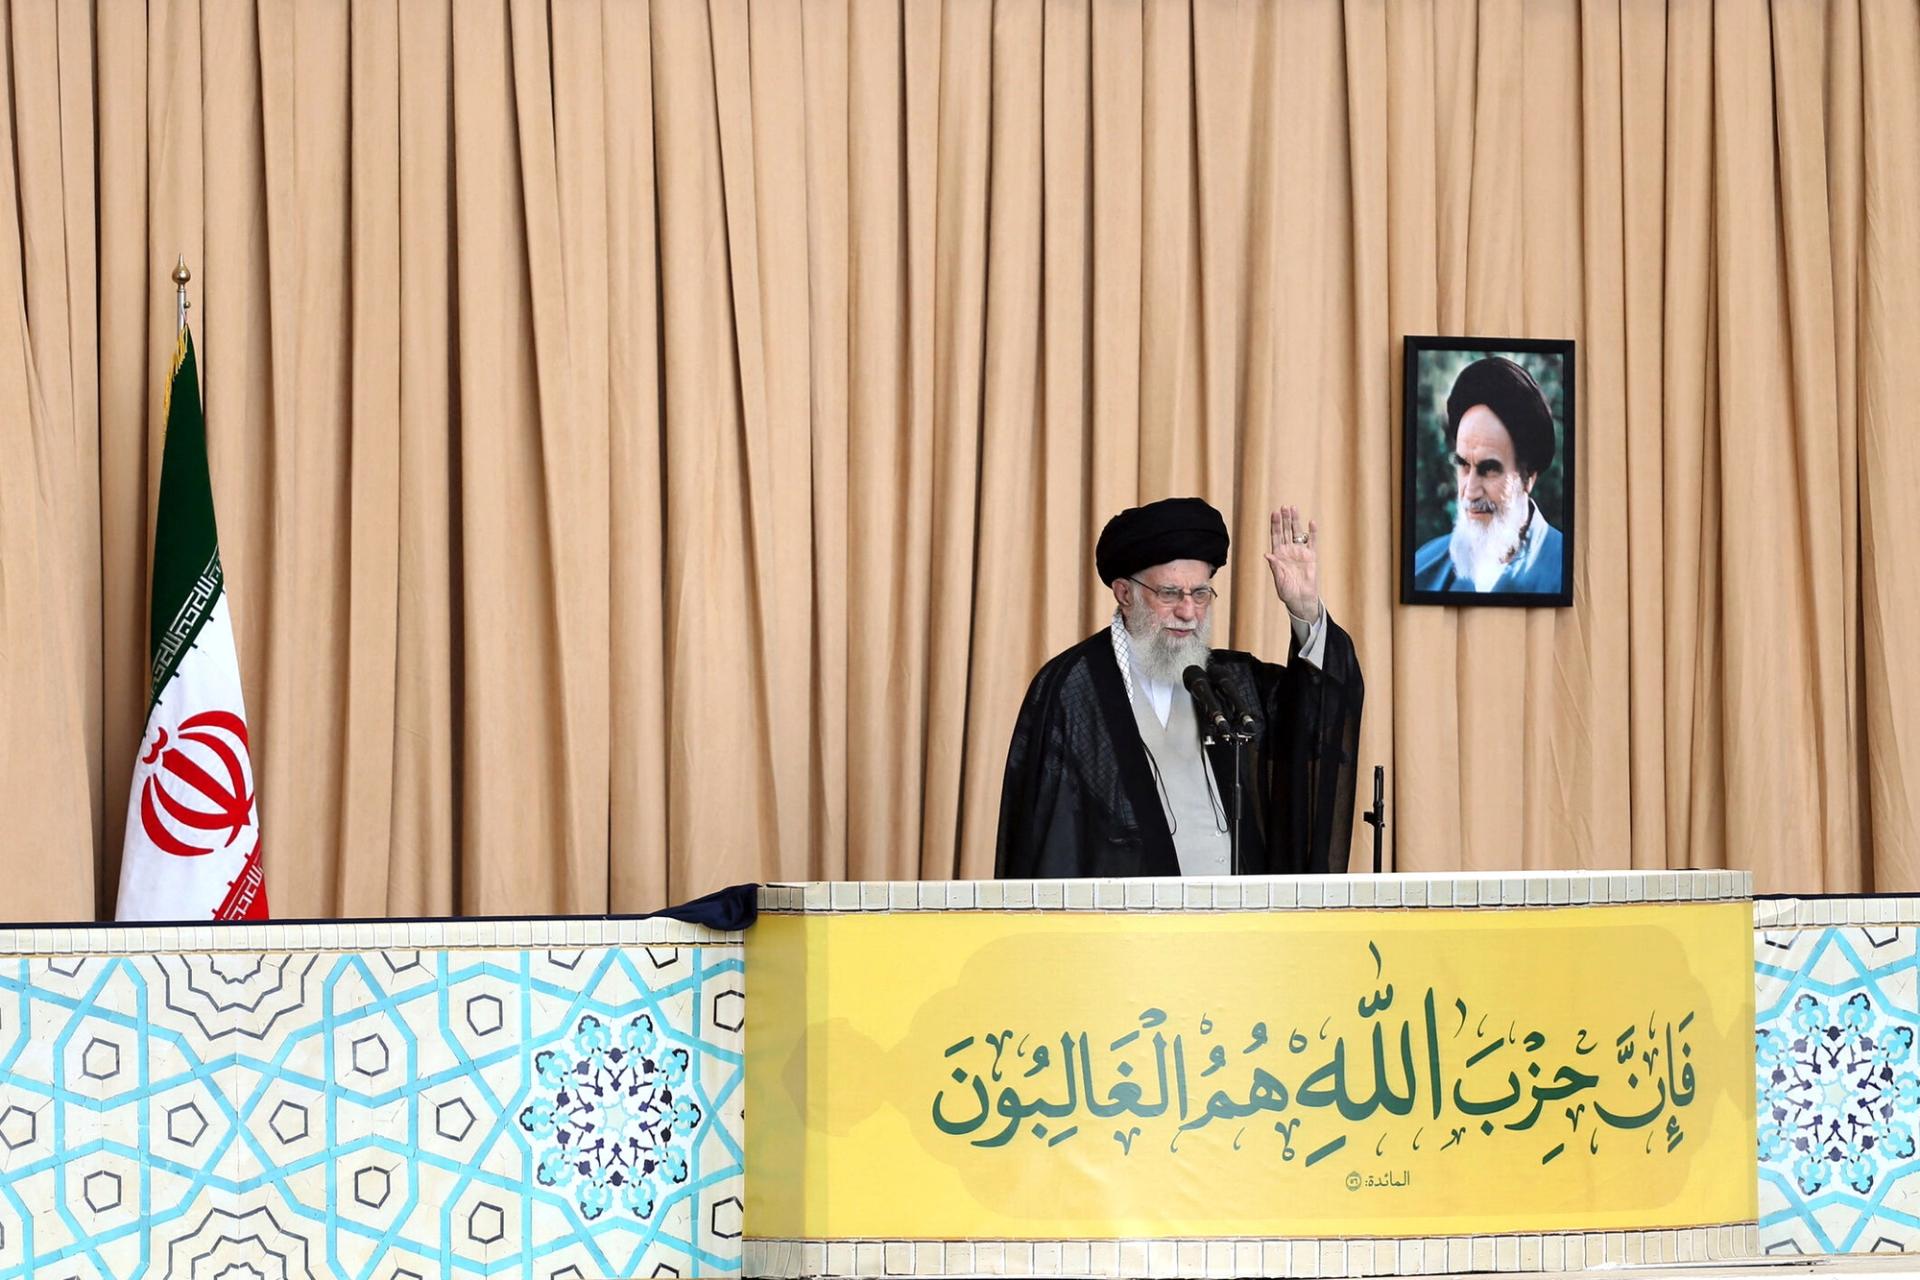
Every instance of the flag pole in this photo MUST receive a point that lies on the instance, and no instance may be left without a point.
(180, 277)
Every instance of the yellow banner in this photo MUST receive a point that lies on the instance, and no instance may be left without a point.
(1051, 1075)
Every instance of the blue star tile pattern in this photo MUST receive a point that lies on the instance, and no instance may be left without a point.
(372, 1114)
(1838, 1089)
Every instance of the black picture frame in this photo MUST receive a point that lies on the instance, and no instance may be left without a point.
(1431, 572)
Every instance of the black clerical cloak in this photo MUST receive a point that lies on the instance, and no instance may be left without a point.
(1080, 798)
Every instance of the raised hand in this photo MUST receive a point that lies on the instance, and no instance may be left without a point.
(1295, 561)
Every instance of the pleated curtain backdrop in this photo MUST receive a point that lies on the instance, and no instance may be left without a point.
(655, 444)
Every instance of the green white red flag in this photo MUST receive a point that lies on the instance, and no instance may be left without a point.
(192, 849)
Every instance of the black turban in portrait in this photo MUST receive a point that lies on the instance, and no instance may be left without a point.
(1171, 529)
(1515, 399)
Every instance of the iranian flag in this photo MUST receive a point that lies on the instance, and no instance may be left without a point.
(193, 821)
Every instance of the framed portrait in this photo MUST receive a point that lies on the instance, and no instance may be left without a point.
(1487, 502)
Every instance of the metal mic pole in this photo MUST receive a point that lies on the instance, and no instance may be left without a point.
(1233, 859)
(1376, 817)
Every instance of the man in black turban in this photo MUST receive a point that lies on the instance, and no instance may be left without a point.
(1500, 438)
(1113, 772)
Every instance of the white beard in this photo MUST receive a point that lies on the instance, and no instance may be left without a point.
(1480, 552)
(1160, 656)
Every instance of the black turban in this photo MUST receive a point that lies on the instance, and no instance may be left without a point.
(1515, 399)
(1171, 529)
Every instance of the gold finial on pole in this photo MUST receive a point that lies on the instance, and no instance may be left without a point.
(180, 277)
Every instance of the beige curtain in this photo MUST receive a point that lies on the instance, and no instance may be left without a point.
(654, 444)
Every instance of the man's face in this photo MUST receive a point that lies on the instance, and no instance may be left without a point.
(1168, 637)
(1483, 463)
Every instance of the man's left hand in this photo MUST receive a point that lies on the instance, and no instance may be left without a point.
(1295, 561)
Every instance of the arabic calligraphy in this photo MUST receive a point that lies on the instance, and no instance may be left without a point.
(1461, 1076)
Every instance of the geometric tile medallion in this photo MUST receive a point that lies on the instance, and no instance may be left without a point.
(1838, 1088)
(555, 1113)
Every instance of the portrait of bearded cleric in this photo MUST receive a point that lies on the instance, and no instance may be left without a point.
(1488, 472)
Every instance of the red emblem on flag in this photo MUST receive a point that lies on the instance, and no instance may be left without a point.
(210, 759)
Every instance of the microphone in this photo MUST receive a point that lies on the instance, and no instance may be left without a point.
(1238, 716)
(1211, 716)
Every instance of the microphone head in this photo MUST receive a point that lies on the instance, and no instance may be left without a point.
(1195, 678)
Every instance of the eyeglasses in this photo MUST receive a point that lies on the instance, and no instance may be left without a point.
(1172, 596)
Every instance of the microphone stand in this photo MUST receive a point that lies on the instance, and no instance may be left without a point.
(1376, 817)
(1237, 739)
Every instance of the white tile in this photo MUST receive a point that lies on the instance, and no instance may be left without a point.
(1103, 1258)
(1333, 1257)
(961, 894)
(1304, 1258)
(929, 1258)
(1049, 895)
(1440, 891)
(1139, 894)
(1163, 1259)
(1513, 891)
(1363, 891)
(1246, 1259)
(839, 1258)
(1019, 1258)
(868, 1257)
(1190, 1259)
(1311, 894)
(1336, 892)
(1076, 1258)
(1414, 893)
(990, 895)
(1197, 896)
(1110, 894)
(961, 1258)
(1273, 1260)
(1079, 895)
(932, 895)
(1166, 895)
(1133, 1258)
(1284, 894)
(1046, 1257)
(1386, 892)
(896, 1258)
(1226, 895)
(1553, 1252)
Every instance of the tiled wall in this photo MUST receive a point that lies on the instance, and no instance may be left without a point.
(382, 1100)
(559, 1099)
(1838, 1074)
(1262, 893)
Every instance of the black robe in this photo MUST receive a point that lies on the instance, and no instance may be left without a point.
(1080, 800)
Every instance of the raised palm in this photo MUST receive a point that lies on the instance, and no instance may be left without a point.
(1295, 562)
